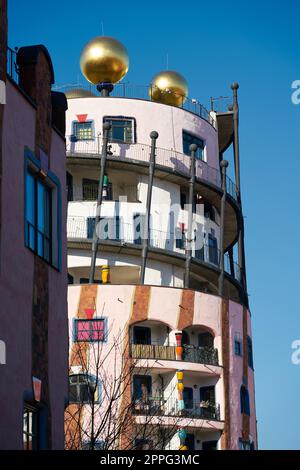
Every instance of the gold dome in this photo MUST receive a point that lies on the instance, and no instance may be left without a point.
(78, 93)
(168, 87)
(104, 59)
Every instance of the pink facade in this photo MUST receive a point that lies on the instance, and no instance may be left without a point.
(33, 293)
(124, 307)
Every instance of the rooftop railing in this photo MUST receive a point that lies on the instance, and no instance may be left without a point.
(157, 406)
(177, 161)
(142, 92)
(195, 354)
(80, 228)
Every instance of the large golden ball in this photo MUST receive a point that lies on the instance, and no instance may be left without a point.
(104, 59)
(168, 87)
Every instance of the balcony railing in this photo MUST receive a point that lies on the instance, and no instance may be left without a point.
(195, 354)
(82, 228)
(89, 192)
(157, 406)
(177, 161)
(142, 92)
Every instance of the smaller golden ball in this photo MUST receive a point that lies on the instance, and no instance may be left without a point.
(168, 87)
(104, 59)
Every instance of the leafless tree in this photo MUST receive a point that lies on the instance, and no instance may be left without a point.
(117, 419)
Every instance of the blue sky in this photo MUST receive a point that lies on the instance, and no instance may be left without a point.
(256, 43)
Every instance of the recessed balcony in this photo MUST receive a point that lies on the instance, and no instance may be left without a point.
(157, 406)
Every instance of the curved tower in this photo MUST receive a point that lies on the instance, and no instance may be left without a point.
(153, 225)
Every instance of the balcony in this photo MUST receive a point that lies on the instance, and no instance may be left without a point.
(198, 355)
(172, 159)
(81, 229)
(158, 406)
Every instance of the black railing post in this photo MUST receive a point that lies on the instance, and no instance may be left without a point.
(106, 128)
(146, 234)
(236, 150)
(223, 165)
(188, 249)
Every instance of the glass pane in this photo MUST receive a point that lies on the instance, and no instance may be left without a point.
(30, 209)
(83, 331)
(46, 249)
(40, 244)
(41, 206)
(97, 330)
(31, 237)
(118, 133)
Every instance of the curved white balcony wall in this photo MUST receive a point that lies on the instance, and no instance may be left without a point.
(168, 121)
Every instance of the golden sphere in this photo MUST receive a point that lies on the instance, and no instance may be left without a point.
(104, 59)
(168, 87)
(78, 93)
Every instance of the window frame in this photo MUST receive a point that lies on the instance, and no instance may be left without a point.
(122, 118)
(34, 433)
(78, 384)
(88, 121)
(90, 340)
(33, 166)
(198, 138)
(245, 401)
(250, 352)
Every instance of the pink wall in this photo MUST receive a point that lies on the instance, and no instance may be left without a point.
(16, 281)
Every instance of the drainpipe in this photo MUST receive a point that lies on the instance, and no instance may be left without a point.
(106, 128)
(146, 234)
(223, 165)
(236, 151)
(188, 249)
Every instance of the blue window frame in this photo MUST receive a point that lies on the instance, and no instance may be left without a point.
(84, 389)
(91, 330)
(83, 130)
(238, 347)
(245, 402)
(42, 211)
(187, 140)
(250, 352)
(122, 129)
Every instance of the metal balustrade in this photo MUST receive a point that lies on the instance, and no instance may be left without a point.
(177, 161)
(116, 230)
(160, 406)
(141, 92)
(195, 354)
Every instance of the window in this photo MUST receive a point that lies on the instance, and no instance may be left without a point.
(245, 405)
(98, 445)
(209, 211)
(245, 445)
(238, 350)
(189, 139)
(122, 130)
(70, 279)
(190, 441)
(30, 428)
(38, 216)
(90, 190)
(205, 340)
(42, 211)
(208, 394)
(84, 388)
(250, 352)
(108, 229)
(180, 237)
(90, 330)
(139, 222)
(143, 444)
(210, 445)
(83, 130)
(141, 335)
(142, 387)
(213, 249)
(188, 397)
